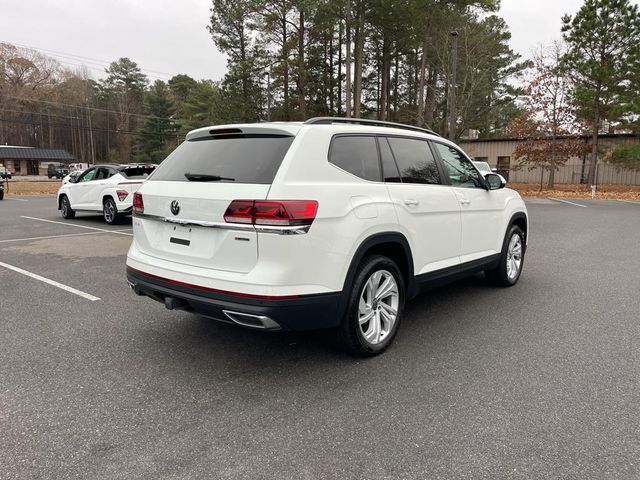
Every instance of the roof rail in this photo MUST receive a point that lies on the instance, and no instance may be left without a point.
(366, 121)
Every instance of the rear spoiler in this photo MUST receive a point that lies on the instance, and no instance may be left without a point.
(288, 129)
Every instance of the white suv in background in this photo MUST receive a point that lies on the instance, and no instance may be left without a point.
(107, 189)
(331, 223)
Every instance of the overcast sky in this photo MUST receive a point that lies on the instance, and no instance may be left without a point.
(166, 37)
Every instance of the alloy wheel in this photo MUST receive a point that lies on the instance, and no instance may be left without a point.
(109, 211)
(514, 256)
(378, 307)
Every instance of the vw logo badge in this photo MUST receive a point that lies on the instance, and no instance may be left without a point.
(175, 207)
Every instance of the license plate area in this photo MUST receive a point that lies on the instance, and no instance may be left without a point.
(180, 236)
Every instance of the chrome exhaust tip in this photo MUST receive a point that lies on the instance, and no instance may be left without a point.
(261, 322)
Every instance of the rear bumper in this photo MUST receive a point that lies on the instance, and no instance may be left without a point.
(304, 312)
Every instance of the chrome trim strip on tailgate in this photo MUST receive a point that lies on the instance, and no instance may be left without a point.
(295, 230)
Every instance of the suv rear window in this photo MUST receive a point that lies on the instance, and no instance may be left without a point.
(142, 171)
(234, 158)
(357, 154)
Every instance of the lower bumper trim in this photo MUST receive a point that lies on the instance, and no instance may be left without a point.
(305, 312)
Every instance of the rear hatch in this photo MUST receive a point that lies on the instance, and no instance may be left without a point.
(185, 199)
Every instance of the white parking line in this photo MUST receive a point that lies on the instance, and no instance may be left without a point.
(50, 236)
(119, 232)
(62, 286)
(17, 199)
(567, 201)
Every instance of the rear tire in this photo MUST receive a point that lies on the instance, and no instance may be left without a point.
(1, 194)
(65, 208)
(375, 307)
(508, 271)
(110, 212)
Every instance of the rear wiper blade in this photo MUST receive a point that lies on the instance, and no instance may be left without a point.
(203, 177)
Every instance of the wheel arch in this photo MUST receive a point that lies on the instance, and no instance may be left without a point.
(105, 196)
(390, 244)
(60, 195)
(521, 220)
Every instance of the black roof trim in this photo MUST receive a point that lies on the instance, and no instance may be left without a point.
(366, 121)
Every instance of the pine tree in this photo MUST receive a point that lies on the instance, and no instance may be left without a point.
(603, 39)
(159, 132)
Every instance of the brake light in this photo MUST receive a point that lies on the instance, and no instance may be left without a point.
(272, 212)
(138, 204)
(122, 194)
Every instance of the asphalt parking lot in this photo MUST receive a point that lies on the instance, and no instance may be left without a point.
(537, 381)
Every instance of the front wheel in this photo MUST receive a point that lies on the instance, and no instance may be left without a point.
(65, 208)
(110, 212)
(375, 307)
(511, 262)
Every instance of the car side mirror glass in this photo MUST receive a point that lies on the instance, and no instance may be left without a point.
(494, 181)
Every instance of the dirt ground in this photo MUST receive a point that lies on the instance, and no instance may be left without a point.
(604, 192)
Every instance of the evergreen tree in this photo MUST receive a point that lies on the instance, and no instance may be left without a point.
(603, 39)
(159, 132)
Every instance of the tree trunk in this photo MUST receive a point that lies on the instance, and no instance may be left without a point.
(594, 147)
(339, 99)
(285, 73)
(302, 102)
(384, 87)
(423, 71)
(358, 53)
(430, 106)
(347, 102)
(330, 79)
(396, 74)
(552, 162)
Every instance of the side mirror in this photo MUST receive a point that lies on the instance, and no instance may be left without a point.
(494, 170)
(494, 181)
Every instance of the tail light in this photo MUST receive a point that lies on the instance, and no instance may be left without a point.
(138, 204)
(272, 212)
(122, 194)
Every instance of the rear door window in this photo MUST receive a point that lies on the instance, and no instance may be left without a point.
(356, 154)
(232, 158)
(415, 160)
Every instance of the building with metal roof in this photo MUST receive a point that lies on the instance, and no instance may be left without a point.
(31, 161)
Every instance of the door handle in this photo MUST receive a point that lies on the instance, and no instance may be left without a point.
(464, 201)
(411, 202)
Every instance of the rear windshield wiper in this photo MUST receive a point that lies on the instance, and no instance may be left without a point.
(203, 177)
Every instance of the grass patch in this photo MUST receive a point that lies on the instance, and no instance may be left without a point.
(32, 188)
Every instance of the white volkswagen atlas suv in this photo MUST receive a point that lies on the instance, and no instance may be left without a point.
(330, 223)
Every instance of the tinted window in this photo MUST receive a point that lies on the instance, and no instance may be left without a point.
(460, 170)
(244, 158)
(102, 173)
(389, 167)
(415, 160)
(357, 155)
(137, 172)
